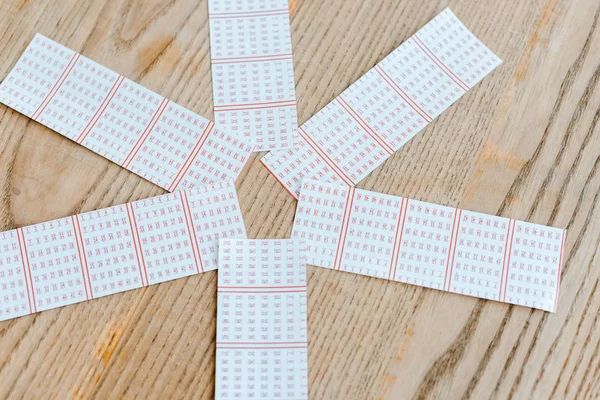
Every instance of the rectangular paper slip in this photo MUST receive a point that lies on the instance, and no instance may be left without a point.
(125, 247)
(119, 119)
(253, 71)
(261, 320)
(390, 104)
(429, 245)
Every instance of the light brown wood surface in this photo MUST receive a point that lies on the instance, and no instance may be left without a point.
(525, 143)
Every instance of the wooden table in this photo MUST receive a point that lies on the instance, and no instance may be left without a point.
(524, 143)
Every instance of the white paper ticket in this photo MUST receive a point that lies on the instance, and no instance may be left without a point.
(385, 108)
(261, 320)
(119, 119)
(253, 71)
(125, 247)
(429, 245)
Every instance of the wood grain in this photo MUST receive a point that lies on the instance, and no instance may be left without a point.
(525, 143)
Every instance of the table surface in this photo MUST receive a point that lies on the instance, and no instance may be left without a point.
(523, 144)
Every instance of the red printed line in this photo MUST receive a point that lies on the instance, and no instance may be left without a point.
(339, 255)
(454, 250)
(398, 238)
(261, 347)
(562, 247)
(139, 253)
(512, 239)
(85, 269)
(185, 204)
(188, 163)
(251, 59)
(265, 102)
(61, 79)
(96, 117)
(246, 57)
(380, 141)
(325, 157)
(413, 104)
(255, 106)
(149, 128)
(278, 180)
(249, 14)
(502, 282)
(450, 248)
(261, 291)
(262, 287)
(259, 343)
(241, 61)
(440, 64)
(26, 270)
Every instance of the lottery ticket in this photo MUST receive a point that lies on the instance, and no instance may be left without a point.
(122, 121)
(253, 72)
(86, 256)
(261, 320)
(430, 245)
(390, 104)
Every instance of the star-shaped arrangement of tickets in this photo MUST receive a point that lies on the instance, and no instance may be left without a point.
(198, 226)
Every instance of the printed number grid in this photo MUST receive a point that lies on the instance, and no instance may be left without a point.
(261, 320)
(390, 104)
(429, 245)
(119, 119)
(125, 247)
(253, 72)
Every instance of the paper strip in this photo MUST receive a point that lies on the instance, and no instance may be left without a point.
(125, 247)
(119, 119)
(261, 320)
(390, 104)
(429, 245)
(253, 71)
